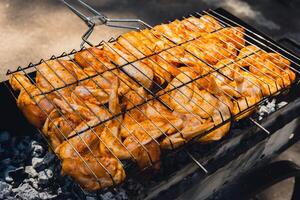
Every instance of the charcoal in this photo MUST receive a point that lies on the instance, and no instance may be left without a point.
(23, 145)
(5, 190)
(91, 198)
(9, 179)
(46, 195)
(42, 163)
(2, 150)
(121, 194)
(18, 175)
(31, 171)
(6, 173)
(4, 137)
(108, 196)
(36, 162)
(36, 149)
(5, 162)
(45, 177)
(33, 182)
(26, 191)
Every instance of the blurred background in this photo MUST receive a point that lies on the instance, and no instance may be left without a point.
(35, 29)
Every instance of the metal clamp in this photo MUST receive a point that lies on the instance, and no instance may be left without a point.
(99, 18)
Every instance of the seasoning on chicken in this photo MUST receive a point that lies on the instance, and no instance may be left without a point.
(147, 91)
(34, 105)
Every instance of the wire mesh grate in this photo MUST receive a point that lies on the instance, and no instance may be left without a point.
(158, 88)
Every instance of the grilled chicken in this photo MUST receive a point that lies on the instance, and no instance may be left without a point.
(33, 100)
(57, 128)
(95, 58)
(68, 115)
(94, 172)
(93, 169)
(82, 160)
(180, 32)
(55, 74)
(101, 82)
(267, 65)
(198, 108)
(99, 110)
(137, 70)
(110, 137)
(243, 87)
(34, 105)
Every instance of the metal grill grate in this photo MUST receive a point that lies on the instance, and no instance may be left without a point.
(162, 87)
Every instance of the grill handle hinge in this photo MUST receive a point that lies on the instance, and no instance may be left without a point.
(98, 18)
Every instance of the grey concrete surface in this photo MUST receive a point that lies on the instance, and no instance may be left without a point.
(35, 29)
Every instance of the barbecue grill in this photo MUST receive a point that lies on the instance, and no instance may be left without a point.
(256, 143)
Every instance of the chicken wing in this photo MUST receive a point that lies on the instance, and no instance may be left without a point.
(82, 161)
(211, 50)
(97, 58)
(110, 137)
(92, 175)
(199, 110)
(34, 105)
(55, 74)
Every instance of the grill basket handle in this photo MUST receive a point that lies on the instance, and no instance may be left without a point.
(99, 18)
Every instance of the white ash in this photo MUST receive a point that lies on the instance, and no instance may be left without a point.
(45, 176)
(5, 190)
(6, 173)
(32, 173)
(27, 172)
(37, 149)
(36, 162)
(269, 107)
(25, 191)
(33, 182)
(41, 163)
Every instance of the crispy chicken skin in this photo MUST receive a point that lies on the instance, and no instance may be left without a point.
(244, 88)
(82, 160)
(54, 74)
(91, 175)
(269, 66)
(87, 166)
(33, 105)
(98, 59)
(145, 92)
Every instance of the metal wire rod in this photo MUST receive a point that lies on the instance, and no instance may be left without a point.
(220, 32)
(259, 126)
(161, 94)
(196, 161)
(133, 103)
(59, 128)
(267, 46)
(257, 54)
(157, 64)
(245, 69)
